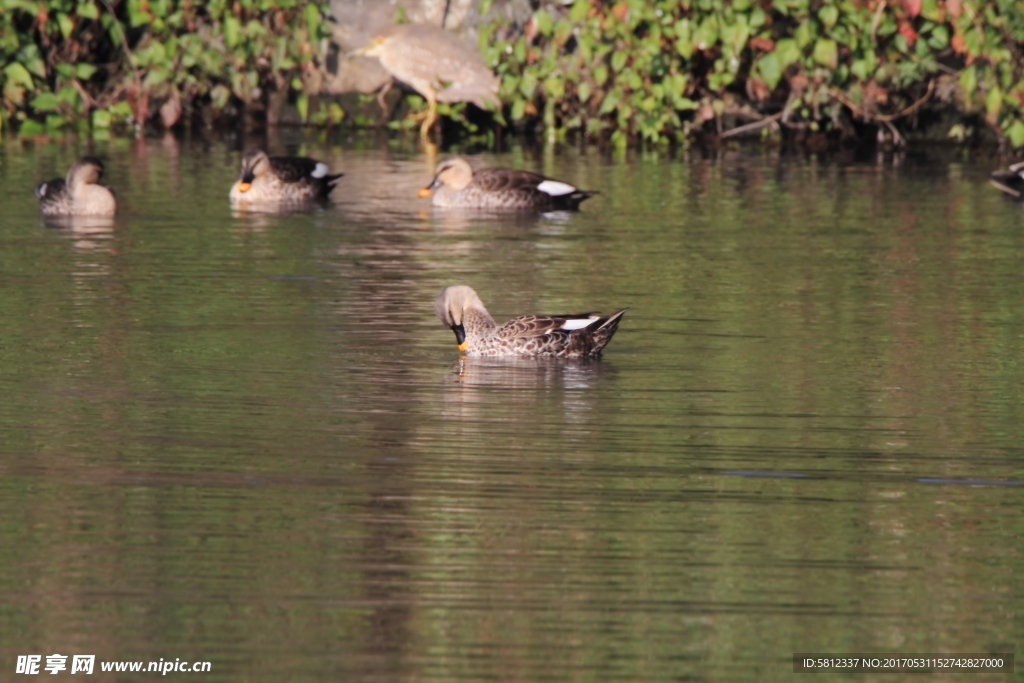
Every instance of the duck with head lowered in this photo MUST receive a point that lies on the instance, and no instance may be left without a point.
(78, 193)
(582, 335)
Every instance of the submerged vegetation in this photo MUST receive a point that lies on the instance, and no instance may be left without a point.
(628, 71)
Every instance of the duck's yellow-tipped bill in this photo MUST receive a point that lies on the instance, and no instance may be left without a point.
(463, 346)
(244, 187)
(424, 192)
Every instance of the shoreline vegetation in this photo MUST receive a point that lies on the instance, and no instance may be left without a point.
(624, 72)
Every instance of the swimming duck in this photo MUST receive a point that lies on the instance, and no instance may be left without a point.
(78, 193)
(555, 336)
(455, 184)
(281, 179)
(1010, 181)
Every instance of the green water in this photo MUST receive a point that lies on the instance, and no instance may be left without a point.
(246, 439)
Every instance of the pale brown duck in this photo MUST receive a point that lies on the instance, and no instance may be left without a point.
(457, 185)
(78, 193)
(555, 336)
(281, 179)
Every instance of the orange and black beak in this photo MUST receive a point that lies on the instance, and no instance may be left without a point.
(426, 190)
(460, 337)
(246, 181)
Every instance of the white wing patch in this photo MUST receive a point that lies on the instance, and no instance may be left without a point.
(41, 190)
(555, 188)
(578, 324)
(320, 171)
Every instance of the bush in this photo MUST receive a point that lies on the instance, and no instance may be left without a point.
(112, 62)
(668, 69)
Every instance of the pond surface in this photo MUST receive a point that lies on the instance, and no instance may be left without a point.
(246, 439)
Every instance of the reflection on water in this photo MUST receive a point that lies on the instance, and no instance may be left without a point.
(245, 438)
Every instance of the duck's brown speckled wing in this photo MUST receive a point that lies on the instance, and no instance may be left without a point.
(293, 169)
(522, 189)
(504, 180)
(529, 326)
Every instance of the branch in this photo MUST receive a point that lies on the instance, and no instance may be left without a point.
(885, 118)
(756, 125)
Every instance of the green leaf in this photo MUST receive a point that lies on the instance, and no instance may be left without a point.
(84, 71)
(220, 94)
(313, 19)
(859, 68)
(87, 10)
(939, 38)
(528, 85)
(829, 15)
(31, 129)
(969, 82)
(619, 58)
(46, 101)
(788, 52)
(66, 25)
(18, 74)
(100, 118)
(121, 110)
(543, 21)
(611, 101)
(518, 109)
(583, 91)
(684, 43)
(302, 104)
(1016, 133)
(803, 34)
(770, 68)
(232, 27)
(993, 103)
(707, 33)
(826, 53)
(580, 10)
(554, 87)
(68, 95)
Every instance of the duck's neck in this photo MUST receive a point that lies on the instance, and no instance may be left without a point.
(478, 322)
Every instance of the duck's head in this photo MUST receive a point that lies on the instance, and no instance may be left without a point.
(456, 173)
(254, 164)
(451, 305)
(85, 171)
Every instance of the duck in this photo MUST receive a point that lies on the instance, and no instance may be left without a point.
(581, 336)
(1010, 181)
(78, 193)
(281, 179)
(457, 185)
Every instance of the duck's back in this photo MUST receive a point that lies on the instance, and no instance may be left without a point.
(501, 188)
(54, 198)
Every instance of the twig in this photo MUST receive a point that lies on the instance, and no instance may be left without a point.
(843, 99)
(756, 125)
(84, 94)
(877, 20)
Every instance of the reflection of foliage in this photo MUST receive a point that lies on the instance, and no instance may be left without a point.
(637, 69)
(116, 60)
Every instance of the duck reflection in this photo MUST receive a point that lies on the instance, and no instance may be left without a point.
(526, 390)
(87, 233)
